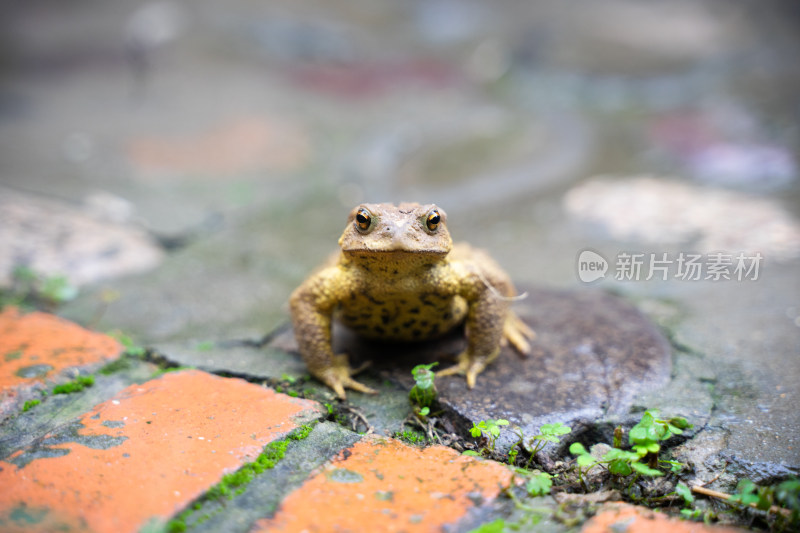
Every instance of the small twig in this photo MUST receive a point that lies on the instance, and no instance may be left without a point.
(427, 427)
(726, 498)
(712, 480)
(360, 416)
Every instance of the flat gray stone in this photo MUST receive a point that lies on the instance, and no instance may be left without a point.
(232, 357)
(55, 239)
(593, 354)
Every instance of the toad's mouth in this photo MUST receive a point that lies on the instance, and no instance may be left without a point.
(399, 252)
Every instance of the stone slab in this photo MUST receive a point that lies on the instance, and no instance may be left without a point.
(594, 352)
(237, 358)
(618, 516)
(56, 239)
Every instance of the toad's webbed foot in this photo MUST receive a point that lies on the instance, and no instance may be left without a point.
(518, 334)
(339, 376)
(470, 366)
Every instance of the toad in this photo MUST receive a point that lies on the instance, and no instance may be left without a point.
(399, 277)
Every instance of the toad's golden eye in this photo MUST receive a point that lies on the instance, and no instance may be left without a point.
(363, 219)
(433, 220)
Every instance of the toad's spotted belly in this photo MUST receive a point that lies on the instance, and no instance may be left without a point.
(402, 317)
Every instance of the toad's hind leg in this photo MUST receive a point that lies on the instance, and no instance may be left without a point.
(518, 334)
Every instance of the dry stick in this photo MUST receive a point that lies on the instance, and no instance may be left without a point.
(359, 416)
(726, 497)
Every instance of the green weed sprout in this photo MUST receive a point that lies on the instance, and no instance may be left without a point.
(782, 499)
(646, 435)
(645, 438)
(489, 429)
(539, 484)
(424, 392)
(131, 348)
(57, 290)
(547, 433)
(29, 287)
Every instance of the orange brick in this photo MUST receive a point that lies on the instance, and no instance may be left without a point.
(383, 481)
(37, 347)
(239, 145)
(166, 442)
(620, 516)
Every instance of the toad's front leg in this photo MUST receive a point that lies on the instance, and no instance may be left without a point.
(312, 306)
(485, 320)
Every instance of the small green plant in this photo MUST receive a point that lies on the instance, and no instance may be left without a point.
(57, 290)
(30, 404)
(781, 500)
(778, 504)
(497, 526)
(618, 462)
(205, 346)
(424, 392)
(697, 515)
(29, 288)
(539, 484)
(683, 490)
(643, 459)
(412, 437)
(547, 433)
(131, 348)
(80, 383)
(489, 429)
(117, 365)
(646, 435)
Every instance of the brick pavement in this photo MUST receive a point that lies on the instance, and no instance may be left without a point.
(140, 458)
(145, 454)
(38, 347)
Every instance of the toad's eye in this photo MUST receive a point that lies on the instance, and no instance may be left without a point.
(433, 220)
(363, 219)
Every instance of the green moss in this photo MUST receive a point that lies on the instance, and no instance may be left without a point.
(411, 437)
(235, 483)
(161, 371)
(30, 404)
(12, 356)
(131, 348)
(117, 365)
(77, 385)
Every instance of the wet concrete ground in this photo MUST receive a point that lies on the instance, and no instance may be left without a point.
(187, 165)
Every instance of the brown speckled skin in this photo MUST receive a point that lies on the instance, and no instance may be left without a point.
(399, 280)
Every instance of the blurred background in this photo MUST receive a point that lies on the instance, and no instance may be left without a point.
(186, 164)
